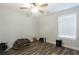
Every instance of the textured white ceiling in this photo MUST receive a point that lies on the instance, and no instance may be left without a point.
(52, 7)
(55, 7)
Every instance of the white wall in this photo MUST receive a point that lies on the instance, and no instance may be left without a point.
(16, 24)
(49, 28)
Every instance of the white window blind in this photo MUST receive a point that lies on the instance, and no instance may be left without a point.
(67, 26)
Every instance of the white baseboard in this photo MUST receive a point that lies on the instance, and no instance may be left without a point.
(75, 48)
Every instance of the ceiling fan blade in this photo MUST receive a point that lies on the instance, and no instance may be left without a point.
(43, 5)
(24, 8)
(33, 4)
(41, 11)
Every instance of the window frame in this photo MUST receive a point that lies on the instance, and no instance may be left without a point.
(75, 29)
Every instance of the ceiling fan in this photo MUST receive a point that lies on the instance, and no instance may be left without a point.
(35, 7)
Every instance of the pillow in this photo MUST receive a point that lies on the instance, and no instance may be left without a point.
(20, 43)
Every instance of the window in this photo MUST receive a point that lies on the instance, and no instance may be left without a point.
(67, 26)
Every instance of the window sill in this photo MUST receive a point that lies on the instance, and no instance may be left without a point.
(67, 37)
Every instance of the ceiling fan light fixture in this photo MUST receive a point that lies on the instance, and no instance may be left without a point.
(29, 5)
(34, 10)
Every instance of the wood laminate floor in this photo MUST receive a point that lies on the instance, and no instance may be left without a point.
(42, 49)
